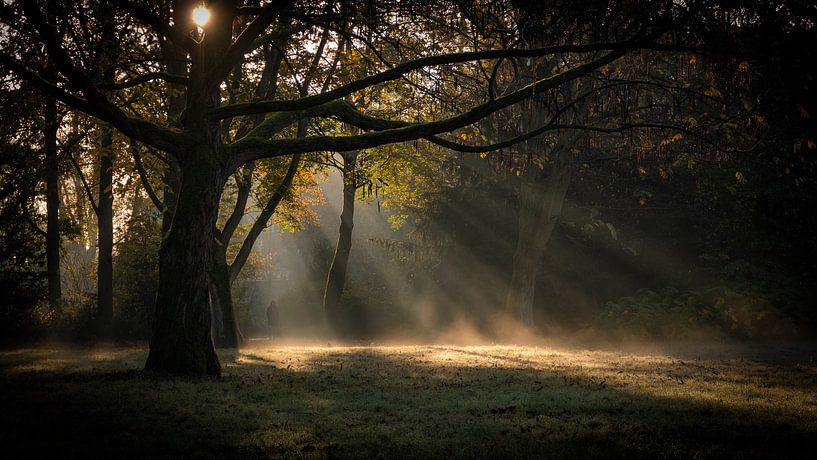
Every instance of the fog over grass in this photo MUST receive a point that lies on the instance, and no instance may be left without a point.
(416, 401)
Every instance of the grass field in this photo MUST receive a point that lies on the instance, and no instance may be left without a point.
(415, 402)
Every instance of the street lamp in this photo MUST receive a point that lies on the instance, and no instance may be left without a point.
(200, 16)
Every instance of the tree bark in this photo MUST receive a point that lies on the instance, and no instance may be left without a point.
(540, 204)
(52, 200)
(336, 279)
(105, 235)
(226, 333)
(182, 341)
(170, 191)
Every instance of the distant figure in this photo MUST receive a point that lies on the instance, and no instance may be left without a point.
(272, 319)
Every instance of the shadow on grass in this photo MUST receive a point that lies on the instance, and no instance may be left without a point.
(373, 404)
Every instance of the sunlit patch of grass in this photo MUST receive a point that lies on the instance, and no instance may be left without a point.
(415, 401)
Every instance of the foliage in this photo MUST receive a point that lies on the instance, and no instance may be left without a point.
(76, 322)
(22, 275)
(136, 269)
(748, 303)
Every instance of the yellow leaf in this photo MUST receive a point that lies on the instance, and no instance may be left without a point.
(464, 136)
(677, 137)
(712, 92)
(739, 176)
(743, 66)
(518, 173)
(693, 60)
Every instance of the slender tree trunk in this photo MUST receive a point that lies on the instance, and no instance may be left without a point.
(226, 333)
(52, 200)
(105, 235)
(182, 342)
(336, 279)
(104, 213)
(540, 204)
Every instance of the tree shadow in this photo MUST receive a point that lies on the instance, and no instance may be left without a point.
(363, 402)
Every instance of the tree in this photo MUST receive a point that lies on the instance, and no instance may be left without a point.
(181, 341)
(336, 278)
(52, 200)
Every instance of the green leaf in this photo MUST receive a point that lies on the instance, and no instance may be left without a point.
(612, 230)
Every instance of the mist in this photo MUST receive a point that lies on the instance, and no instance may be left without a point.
(445, 280)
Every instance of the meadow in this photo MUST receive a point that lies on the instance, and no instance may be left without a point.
(415, 402)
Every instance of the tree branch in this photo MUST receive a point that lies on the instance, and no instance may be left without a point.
(95, 104)
(84, 183)
(406, 67)
(144, 78)
(35, 227)
(261, 221)
(252, 147)
(244, 184)
(171, 33)
(244, 42)
(143, 176)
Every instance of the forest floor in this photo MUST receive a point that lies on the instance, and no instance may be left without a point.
(414, 402)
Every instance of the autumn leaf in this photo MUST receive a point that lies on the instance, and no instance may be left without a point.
(712, 92)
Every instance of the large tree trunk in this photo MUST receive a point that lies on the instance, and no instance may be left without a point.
(105, 235)
(182, 342)
(52, 204)
(540, 204)
(336, 279)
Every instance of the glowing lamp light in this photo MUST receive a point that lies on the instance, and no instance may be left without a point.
(200, 16)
